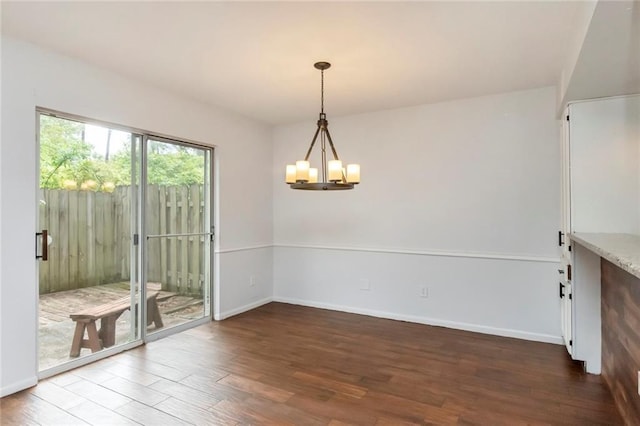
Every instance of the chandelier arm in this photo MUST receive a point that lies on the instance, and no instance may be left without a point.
(333, 148)
(335, 153)
(315, 136)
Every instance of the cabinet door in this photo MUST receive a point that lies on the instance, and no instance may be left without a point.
(566, 306)
(563, 240)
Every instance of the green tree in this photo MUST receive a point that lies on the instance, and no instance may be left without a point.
(63, 153)
(68, 161)
(174, 165)
(166, 165)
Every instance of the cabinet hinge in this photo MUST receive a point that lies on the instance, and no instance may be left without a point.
(570, 296)
(567, 117)
(136, 239)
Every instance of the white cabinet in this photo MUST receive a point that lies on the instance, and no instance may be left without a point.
(565, 292)
(565, 279)
(600, 194)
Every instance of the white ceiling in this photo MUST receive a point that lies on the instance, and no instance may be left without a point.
(609, 60)
(257, 58)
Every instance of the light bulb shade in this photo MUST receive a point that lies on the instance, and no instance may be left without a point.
(313, 175)
(353, 173)
(291, 174)
(335, 170)
(302, 171)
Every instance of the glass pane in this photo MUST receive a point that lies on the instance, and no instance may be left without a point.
(177, 223)
(86, 203)
(176, 272)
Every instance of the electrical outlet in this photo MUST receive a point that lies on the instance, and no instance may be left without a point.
(364, 284)
(424, 291)
(252, 280)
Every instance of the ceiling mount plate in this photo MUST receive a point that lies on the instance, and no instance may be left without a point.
(322, 65)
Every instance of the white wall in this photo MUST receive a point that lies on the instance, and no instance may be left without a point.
(579, 28)
(461, 197)
(605, 165)
(33, 77)
(248, 279)
(602, 57)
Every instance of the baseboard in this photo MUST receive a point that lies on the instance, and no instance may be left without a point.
(226, 314)
(18, 386)
(504, 332)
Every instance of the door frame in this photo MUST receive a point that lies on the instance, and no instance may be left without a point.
(140, 253)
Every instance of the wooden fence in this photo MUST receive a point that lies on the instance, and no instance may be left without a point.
(92, 238)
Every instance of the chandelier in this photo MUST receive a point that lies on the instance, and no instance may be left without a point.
(333, 176)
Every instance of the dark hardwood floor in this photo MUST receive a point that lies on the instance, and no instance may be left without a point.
(286, 364)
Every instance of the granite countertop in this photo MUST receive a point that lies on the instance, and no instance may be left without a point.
(623, 250)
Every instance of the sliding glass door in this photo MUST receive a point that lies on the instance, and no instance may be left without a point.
(124, 240)
(178, 231)
(87, 210)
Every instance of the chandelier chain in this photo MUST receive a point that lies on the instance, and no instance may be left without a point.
(322, 91)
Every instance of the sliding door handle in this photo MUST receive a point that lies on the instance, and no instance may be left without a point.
(44, 243)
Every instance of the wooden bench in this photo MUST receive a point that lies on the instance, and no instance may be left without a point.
(107, 314)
